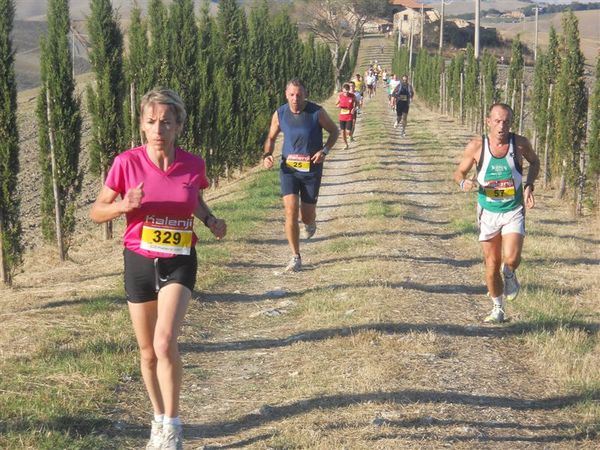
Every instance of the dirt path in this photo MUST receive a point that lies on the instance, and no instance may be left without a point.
(378, 342)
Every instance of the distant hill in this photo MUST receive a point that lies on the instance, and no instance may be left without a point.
(467, 6)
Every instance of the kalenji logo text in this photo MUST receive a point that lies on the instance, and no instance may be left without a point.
(185, 224)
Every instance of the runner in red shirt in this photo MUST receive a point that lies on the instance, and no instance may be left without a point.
(346, 103)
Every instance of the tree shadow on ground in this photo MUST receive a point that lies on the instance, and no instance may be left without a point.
(476, 331)
(110, 298)
(402, 201)
(389, 193)
(564, 236)
(268, 414)
(375, 180)
(73, 426)
(566, 261)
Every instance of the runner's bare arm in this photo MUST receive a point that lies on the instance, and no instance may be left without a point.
(525, 149)
(469, 159)
(269, 146)
(529, 155)
(326, 122)
(105, 208)
(218, 227)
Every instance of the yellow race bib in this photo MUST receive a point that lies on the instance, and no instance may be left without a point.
(301, 163)
(166, 234)
(500, 190)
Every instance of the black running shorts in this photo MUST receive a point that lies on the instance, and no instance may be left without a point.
(305, 184)
(346, 125)
(401, 108)
(144, 277)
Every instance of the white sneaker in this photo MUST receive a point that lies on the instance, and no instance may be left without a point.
(156, 434)
(172, 438)
(309, 230)
(511, 284)
(396, 124)
(295, 264)
(496, 316)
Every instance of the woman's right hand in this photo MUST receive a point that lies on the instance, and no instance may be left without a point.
(133, 198)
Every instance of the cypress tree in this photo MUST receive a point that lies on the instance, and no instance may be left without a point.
(326, 84)
(490, 75)
(260, 50)
(258, 80)
(551, 161)
(160, 44)
(106, 100)
(287, 51)
(138, 76)
(10, 226)
(233, 104)
(307, 74)
(515, 78)
(553, 55)
(184, 68)
(539, 101)
(593, 138)
(471, 90)
(457, 68)
(59, 124)
(571, 109)
(400, 61)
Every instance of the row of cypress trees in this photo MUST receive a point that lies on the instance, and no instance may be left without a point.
(10, 227)
(230, 70)
(562, 132)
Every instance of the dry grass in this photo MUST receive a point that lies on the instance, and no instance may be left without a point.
(589, 31)
(376, 344)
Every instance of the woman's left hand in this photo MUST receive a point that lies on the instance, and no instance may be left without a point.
(218, 227)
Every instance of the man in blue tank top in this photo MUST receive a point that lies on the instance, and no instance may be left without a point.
(302, 155)
(503, 195)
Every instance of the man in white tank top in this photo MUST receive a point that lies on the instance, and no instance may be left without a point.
(503, 192)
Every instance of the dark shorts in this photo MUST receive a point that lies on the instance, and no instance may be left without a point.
(346, 125)
(305, 184)
(144, 277)
(401, 107)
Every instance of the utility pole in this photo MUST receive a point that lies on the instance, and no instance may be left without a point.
(535, 43)
(442, 28)
(73, 51)
(422, 25)
(411, 39)
(477, 14)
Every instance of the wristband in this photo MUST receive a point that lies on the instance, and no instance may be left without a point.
(266, 155)
(530, 185)
(462, 185)
(208, 216)
(325, 150)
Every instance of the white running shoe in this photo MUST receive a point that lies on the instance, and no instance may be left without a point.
(511, 284)
(309, 230)
(156, 435)
(295, 264)
(172, 437)
(396, 124)
(496, 316)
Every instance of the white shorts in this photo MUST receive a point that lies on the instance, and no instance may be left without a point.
(491, 223)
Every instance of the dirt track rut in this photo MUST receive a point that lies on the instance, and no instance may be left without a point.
(378, 342)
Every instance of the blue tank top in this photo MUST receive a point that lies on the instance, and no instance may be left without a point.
(302, 133)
